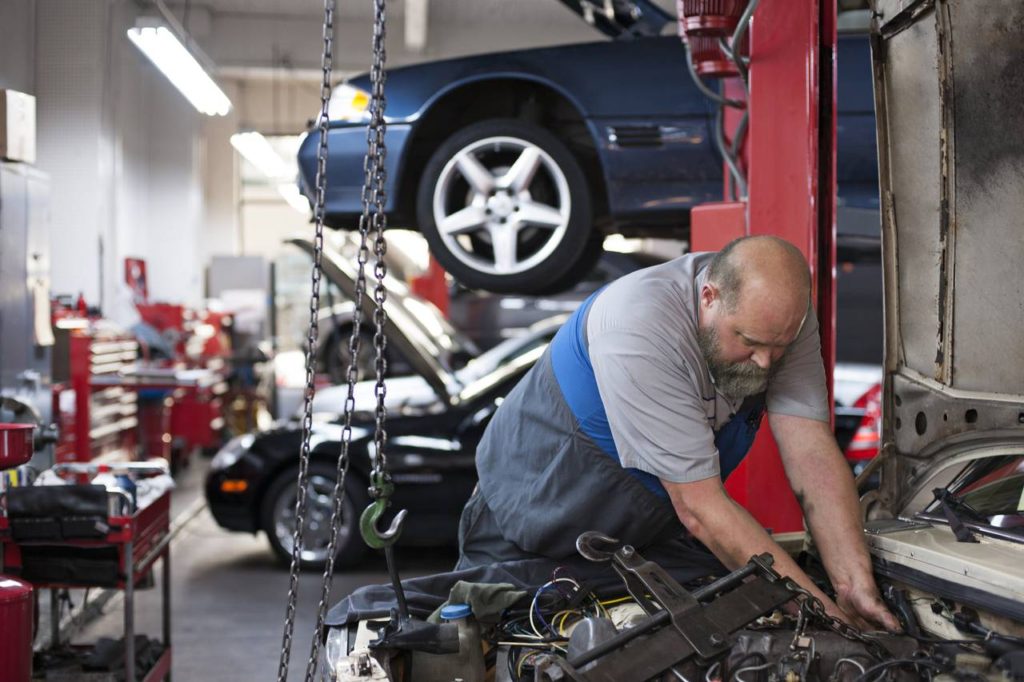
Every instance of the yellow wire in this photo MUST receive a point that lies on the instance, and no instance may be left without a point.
(522, 662)
(561, 623)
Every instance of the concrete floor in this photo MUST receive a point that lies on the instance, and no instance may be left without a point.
(228, 598)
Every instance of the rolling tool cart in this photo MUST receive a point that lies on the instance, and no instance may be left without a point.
(15, 595)
(83, 536)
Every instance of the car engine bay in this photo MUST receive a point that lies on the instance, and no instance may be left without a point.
(751, 625)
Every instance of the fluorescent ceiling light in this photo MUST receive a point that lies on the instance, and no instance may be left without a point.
(294, 197)
(167, 53)
(257, 150)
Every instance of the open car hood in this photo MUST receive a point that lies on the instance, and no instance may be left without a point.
(621, 18)
(416, 330)
(951, 161)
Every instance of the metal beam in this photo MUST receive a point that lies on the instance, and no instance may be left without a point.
(416, 21)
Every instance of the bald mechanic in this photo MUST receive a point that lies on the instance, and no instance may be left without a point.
(648, 398)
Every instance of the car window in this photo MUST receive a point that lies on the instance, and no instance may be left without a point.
(990, 491)
(516, 365)
(997, 491)
(500, 356)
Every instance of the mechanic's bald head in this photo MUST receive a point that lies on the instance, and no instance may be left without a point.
(761, 267)
(752, 306)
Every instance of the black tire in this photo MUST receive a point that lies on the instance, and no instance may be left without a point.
(350, 548)
(591, 254)
(334, 356)
(467, 259)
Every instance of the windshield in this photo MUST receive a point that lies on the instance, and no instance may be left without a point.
(990, 492)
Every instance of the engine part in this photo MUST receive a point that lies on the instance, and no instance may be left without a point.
(682, 629)
(588, 634)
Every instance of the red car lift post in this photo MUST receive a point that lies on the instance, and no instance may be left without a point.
(789, 156)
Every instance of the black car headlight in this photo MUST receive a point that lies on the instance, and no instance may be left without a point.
(232, 452)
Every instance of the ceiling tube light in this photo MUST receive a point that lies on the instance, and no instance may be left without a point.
(294, 197)
(257, 150)
(163, 48)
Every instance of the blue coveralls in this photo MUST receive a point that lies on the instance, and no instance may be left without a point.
(549, 469)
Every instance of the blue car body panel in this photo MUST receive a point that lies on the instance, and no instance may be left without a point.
(651, 127)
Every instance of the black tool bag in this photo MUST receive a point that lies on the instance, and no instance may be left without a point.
(94, 566)
(52, 513)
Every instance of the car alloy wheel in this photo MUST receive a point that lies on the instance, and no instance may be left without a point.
(279, 518)
(494, 177)
(505, 207)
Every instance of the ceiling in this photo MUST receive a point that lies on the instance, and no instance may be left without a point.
(247, 38)
(456, 11)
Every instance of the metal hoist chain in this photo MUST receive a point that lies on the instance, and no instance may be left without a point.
(302, 482)
(372, 219)
(811, 608)
(375, 139)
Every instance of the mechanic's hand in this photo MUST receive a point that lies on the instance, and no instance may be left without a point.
(865, 609)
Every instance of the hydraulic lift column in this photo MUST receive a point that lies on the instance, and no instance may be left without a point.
(789, 156)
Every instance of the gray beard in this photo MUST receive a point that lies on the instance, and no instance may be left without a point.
(734, 379)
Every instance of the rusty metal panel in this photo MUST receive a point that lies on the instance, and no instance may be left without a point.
(911, 192)
(948, 79)
(987, 206)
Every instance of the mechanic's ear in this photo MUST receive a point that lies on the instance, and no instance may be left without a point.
(709, 294)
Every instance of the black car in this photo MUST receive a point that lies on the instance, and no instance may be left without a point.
(436, 418)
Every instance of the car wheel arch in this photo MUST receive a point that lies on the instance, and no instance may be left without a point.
(434, 127)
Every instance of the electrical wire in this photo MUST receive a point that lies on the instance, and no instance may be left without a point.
(535, 608)
(850, 661)
(728, 674)
(705, 90)
(737, 674)
(739, 180)
(871, 672)
(737, 36)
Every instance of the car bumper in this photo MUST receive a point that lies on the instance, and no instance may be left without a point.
(232, 511)
(346, 149)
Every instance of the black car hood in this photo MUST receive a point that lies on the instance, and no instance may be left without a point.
(951, 162)
(621, 18)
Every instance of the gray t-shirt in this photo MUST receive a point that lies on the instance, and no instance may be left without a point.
(661, 403)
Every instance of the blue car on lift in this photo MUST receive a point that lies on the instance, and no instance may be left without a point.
(516, 165)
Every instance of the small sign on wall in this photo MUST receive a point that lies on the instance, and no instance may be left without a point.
(17, 126)
(135, 278)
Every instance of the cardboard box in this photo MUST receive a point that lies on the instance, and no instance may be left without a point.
(17, 126)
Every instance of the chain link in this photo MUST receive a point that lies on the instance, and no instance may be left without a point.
(378, 127)
(812, 608)
(372, 220)
(312, 335)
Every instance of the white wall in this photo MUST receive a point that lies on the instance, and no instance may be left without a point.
(122, 148)
(17, 27)
(135, 169)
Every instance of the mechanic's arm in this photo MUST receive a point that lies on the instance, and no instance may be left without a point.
(731, 533)
(823, 483)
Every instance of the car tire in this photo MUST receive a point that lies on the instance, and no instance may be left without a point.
(467, 202)
(278, 505)
(334, 358)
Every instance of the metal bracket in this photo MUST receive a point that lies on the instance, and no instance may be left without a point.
(698, 630)
(646, 577)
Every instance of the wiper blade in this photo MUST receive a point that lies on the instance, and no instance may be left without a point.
(950, 505)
